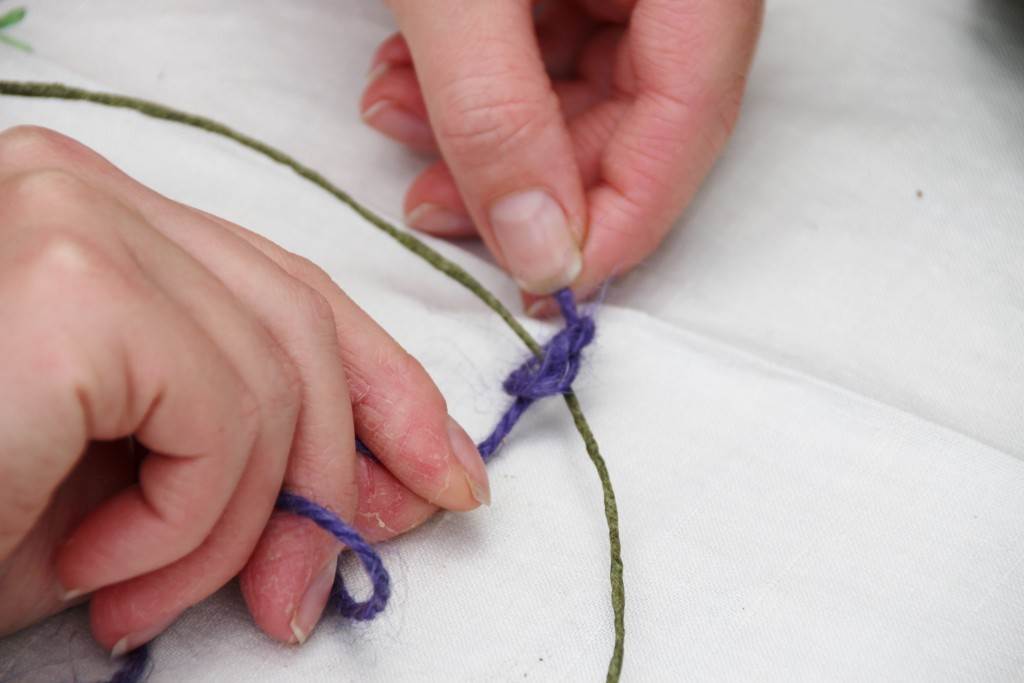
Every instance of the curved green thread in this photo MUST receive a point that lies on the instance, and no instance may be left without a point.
(425, 252)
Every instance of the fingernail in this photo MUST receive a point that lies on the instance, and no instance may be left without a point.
(534, 237)
(438, 220)
(69, 595)
(139, 638)
(469, 457)
(397, 123)
(376, 72)
(307, 615)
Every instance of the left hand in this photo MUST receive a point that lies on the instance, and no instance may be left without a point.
(237, 365)
(572, 133)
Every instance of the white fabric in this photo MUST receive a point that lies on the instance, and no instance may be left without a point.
(811, 400)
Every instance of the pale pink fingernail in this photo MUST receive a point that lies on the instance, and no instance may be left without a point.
(395, 122)
(312, 605)
(140, 637)
(438, 220)
(536, 241)
(469, 457)
(69, 595)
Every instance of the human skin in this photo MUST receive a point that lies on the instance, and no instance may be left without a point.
(236, 368)
(571, 133)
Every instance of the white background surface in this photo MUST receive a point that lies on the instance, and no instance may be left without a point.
(811, 400)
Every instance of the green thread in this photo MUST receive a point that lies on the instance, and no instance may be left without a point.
(10, 19)
(425, 252)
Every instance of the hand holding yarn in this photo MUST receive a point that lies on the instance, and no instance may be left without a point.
(572, 133)
(549, 373)
(237, 367)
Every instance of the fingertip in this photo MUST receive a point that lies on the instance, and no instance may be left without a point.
(283, 582)
(539, 307)
(402, 419)
(394, 50)
(435, 185)
(439, 221)
(123, 538)
(314, 600)
(389, 118)
(392, 104)
(546, 307)
(395, 83)
(536, 239)
(468, 457)
(120, 623)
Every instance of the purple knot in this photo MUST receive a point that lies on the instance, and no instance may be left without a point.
(549, 374)
(554, 372)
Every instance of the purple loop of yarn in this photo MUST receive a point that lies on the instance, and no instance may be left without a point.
(549, 374)
(341, 600)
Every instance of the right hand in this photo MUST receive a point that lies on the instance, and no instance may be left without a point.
(239, 367)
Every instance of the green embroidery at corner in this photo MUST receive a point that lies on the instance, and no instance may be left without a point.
(10, 19)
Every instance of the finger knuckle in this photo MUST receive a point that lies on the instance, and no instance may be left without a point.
(284, 394)
(69, 264)
(72, 261)
(69, 246)
(306, 271)
(26, 147)
(37, 193)
(248, 412)
(404, 370)
(314, 311)
(478, 122)
(372, 384)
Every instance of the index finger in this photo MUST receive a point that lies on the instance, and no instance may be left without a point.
(688, 62)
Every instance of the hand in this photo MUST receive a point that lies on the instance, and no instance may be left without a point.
(237, 367)
(572, 135)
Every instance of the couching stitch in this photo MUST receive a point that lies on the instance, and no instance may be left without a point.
(550, 375)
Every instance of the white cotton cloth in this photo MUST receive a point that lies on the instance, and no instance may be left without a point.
(811, 399)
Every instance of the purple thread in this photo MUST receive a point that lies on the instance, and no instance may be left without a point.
(549, 374)
(341, 599)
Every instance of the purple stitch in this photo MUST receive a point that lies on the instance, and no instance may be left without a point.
(549, 374)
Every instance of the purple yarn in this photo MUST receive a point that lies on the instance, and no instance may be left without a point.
(341, 599)
(549, 374)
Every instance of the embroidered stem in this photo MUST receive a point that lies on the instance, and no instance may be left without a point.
(428, 254)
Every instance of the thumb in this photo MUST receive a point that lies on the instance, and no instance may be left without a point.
(501, 131)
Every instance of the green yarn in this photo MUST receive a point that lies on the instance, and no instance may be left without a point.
(416, 246)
